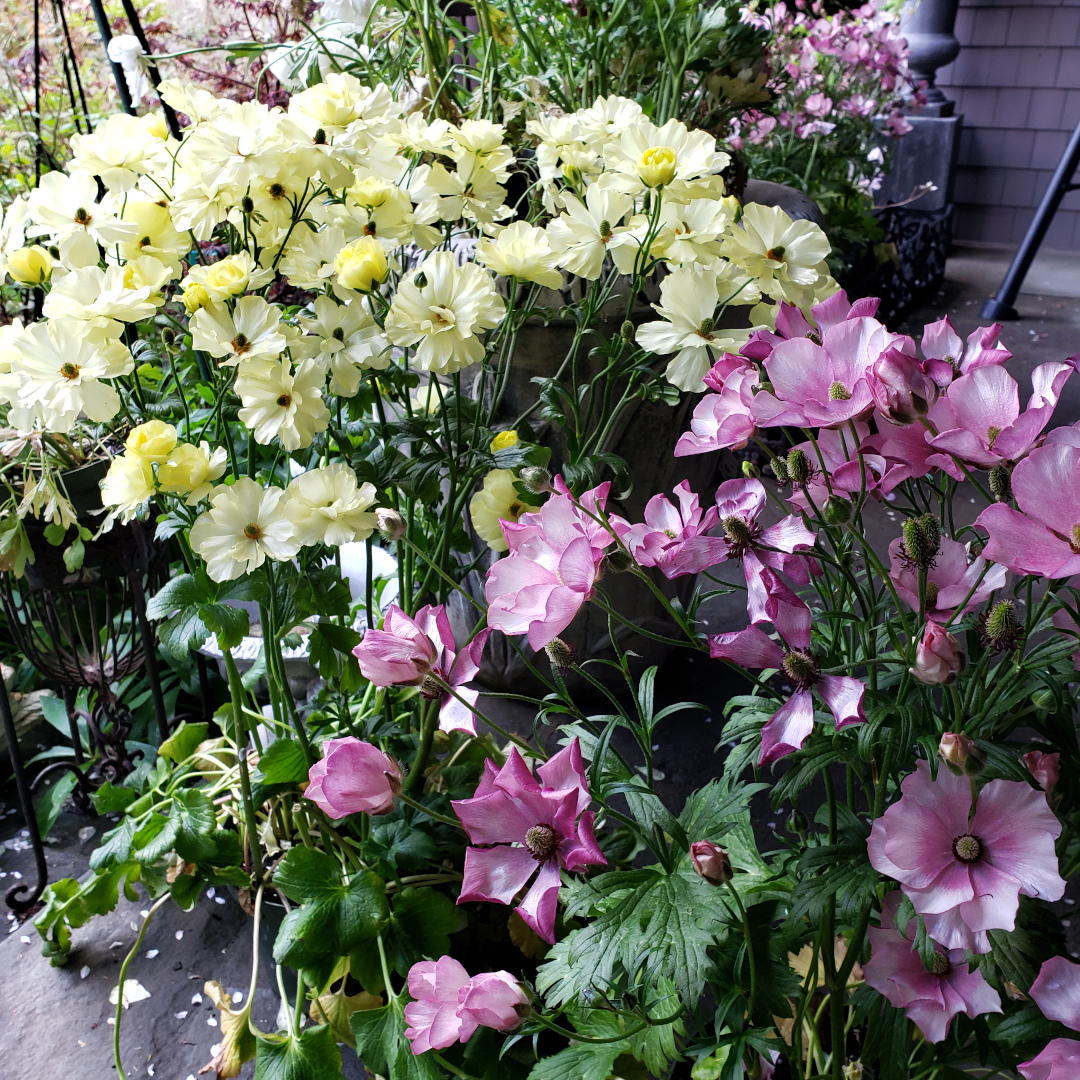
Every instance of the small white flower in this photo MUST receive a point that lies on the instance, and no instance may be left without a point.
(348, 337)
(252, 331)
(281, 403)
(127, 51)
(326, 506)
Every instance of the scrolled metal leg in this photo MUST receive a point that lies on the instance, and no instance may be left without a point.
(13, 897)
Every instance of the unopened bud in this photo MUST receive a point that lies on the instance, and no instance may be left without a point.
(853, 1070)
(750, 470)
(1044, 700)
(320, 137)
(168, 337)
(797, 822)
(572, 174)
(798, 467)
(1000, 483)
(780, 470)
(711, 862)
(938, 656)
(837, 510)
(628, 331)
(536, 479)
(1045, 768)
(1001, 631)
(420, 280)
(961, 754)
(390, 523)
(247, 206)
(561, 655)
(618, 561)
(922, 540)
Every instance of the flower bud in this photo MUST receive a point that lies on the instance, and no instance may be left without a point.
(1001, 631)
(799, 469)
(628, 332)
(30, 265)
(1046, 768)
(195, 296)
(536, 479)
(390, 523)
(154, 440)
(1001, 483)
(504, 440)
(1044, 700)
(837, 510)
(420, 280)
(656, 166)
(961, 754)
(922, 540)
(938, 657)
(247, 205)
(561, 655)
(168, 337)
(361, 265)
(899, 388)
(711, 862)
(780, 470)
(572, 174)
(618, 561)
(853, 1070)
(494, 999)
(750, 470)
(797, 822)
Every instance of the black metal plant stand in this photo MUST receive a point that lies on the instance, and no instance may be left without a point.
(1000, 306)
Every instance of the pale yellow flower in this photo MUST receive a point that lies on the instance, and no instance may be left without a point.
(521, 251)
(30, 265)
(327, 506)
(504, 440)
(496, 502)
(361, 265)
(191, 470)
(281, 403)
(152, 441)
(128, 484)
(230, 277)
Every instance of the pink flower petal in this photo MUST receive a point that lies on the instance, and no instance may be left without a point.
(788, 728)
(496, 874)
(539, 905)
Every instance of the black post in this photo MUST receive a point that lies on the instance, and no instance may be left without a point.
(27, 805)
(118, 72)
(1000, 306)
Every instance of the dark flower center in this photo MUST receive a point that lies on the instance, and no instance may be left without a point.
(940, 964)
(801, 668)
(241, 344)
(82, 217)
(339, 333)
(967, 848)
(542, 842)
(932, 591)
(839, 392)
(252, 531)
(70, 371)
(284, 401)
(738, 531)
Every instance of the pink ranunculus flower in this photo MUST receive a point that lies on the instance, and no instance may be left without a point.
(493, 999)
(419, 651)
(551, 567)
(822, 385)
(938, 657)
(1045, 768)
(947, 355)
(845, 468)
(1043, 536)
(1057, 991)
(964, 871)
(432, 1015)
(930, 998)
(790, 726)
(1058, 1060)
(353, 777)
(674, 538)
(907, 453)
(900, 390)
(979, 419)
(722, 421)
(527, 826)
(448, 1006)
(948, 581)
(739, 505)
(791, 323)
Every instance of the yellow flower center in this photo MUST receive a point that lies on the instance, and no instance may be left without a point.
(241, 344)
(284, 401)
(70, 371)
(839, 392)
(252, 531)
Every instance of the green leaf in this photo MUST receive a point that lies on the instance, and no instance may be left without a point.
(109, 799)
(842, 871)
(55, 534)
(74, 554)
(194, 814)
(230, 624)
(115, 847)
(582, 1062)
(312, 1056)
(51, 801)
(419, 925)
(155, 839)
(282, 763)
(182, 743)
(334, 916)
(383, 1048)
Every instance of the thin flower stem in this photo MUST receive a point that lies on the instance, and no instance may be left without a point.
(123, 975)
(537, 751)
(408, 800)
(239, 734)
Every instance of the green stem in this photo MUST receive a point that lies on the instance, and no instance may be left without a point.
(239, 734)
(123, 975)
(434, 814)
(429, 721)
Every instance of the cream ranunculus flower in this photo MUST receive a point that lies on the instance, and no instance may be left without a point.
(439, 310)
(156, 235)
(361, 265)
(496, 502)
(688, 302)
(191, 470)
(521, 251)
(252, 331)
(152, 441)
(120, 149)
(244, 526)
(128, 484)
(230, 277)
(309, 257)
(656, 166)
(326, 506)
(195, 297)
(645, 155)
(784, 256)
(93, 293)
(281, 403)
(585, 233)
(348, 337)
(30, 265)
